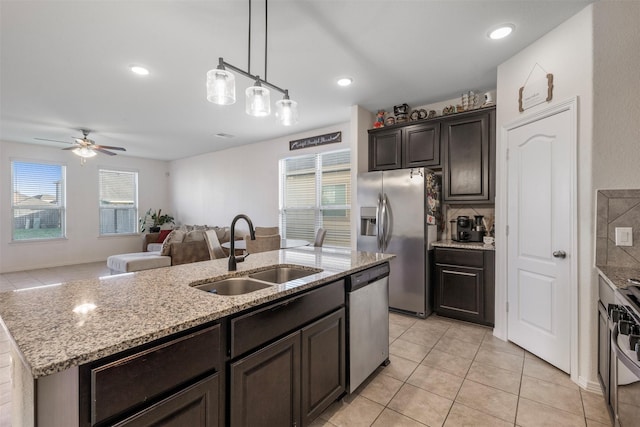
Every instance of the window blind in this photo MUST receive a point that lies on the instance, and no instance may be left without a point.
(315, 191)
(37, 202)
(118, 202)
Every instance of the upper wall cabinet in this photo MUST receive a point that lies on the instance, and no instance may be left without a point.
(409, 146)
(468, 145)
(421, 145)
(385, 148)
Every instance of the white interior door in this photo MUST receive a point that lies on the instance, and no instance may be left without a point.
(540, 240)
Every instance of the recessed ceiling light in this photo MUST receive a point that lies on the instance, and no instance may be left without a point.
(345, 81)
(501, 32)
(141, 71)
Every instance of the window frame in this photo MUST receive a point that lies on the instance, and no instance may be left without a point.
(61, 206)
(134, 209)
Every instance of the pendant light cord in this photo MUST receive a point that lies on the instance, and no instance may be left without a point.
(266, 9)
(249, 41)
(266, 26)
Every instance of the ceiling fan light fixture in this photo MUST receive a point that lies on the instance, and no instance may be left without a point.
(258, 100)
(221, 86)
(84, 152)
(287, 111)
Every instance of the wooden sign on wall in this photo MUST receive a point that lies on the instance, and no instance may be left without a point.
(535, 91)
(314, 141)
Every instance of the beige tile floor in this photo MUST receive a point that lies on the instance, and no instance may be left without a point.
(451, 373)
(442, 372)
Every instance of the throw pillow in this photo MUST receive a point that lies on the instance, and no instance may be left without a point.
(163, 235)
(194, 236)
(176, 236)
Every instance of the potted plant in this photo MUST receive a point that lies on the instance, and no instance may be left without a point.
(154, 220)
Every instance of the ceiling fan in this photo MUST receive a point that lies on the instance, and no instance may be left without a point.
(85, 147)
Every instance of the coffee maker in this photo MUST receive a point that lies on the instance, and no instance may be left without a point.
(478, 229)
(467, 230)
(463, 229)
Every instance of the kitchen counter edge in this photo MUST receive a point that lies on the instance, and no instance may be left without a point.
(617, 277)
(463, 245)
(136, 308)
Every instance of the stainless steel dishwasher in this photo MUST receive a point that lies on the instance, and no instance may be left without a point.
(367, 323)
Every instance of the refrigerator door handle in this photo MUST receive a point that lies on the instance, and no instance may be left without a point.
(385, 223)
(379, 219)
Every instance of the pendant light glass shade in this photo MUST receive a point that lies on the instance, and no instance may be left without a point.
(287, 111)
(258, 101)
(221, 87)
(84, 152)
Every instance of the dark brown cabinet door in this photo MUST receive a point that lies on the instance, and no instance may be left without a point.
(265, 386)
(469, 158)
(195, 406)
(323, 364)
(460, 292)
(421, 145)
(385, 149)
(465, 284)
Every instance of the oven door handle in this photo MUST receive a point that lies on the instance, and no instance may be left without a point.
(621, 355)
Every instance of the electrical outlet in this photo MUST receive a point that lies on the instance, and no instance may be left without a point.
(624, 236)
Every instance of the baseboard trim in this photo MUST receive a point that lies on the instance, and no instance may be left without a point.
(590, 386)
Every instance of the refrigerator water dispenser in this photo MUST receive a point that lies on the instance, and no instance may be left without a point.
(368, 221)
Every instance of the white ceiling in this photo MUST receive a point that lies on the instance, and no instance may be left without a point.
(65, 64)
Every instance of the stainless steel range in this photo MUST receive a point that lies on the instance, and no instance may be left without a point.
(625, 344)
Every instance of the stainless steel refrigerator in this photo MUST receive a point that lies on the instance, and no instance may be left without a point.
(398, 214)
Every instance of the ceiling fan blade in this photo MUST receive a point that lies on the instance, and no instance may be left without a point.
(53, 140)
(109, 147)
(71, 148)
(103, 151)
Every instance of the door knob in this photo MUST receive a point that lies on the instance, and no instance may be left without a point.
(560, 254)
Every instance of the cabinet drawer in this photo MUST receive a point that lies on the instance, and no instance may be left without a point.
(466, 257)
(143, 376)
(196, 406)
(261, 326)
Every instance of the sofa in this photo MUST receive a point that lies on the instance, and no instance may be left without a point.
(180, 252)
(183, 245)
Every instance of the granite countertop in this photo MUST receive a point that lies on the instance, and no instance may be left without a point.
(463, 245)
(618, 277)
(135, 308)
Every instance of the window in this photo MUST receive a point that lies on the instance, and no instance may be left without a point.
(37, 202)
(118, 202)
(315, 191)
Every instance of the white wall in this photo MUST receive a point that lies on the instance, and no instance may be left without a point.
(593, 56)
(82, 243)
(616, 85)
(213, 188)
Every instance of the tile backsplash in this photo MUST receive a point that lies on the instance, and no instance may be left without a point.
(617, 208)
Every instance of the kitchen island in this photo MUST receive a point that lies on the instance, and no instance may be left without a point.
(60, 331)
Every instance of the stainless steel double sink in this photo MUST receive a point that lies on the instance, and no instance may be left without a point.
(255, 281)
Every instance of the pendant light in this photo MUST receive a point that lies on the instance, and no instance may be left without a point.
(287, 111)
(221, 87)
(258, 100)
